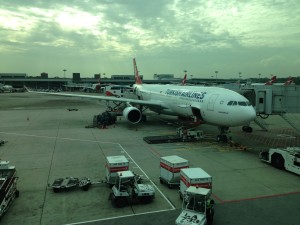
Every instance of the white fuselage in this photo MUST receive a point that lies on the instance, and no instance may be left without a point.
(214, 105)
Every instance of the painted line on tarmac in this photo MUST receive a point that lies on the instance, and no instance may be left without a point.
(73, 139)
(258, 197)
(61, 138)
(118, 217)
(172, 206)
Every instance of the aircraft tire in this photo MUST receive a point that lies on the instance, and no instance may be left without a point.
(119, 202)
(247, 129)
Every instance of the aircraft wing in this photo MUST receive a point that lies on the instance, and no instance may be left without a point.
(156, 104)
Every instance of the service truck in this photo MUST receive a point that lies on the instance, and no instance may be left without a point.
(283, 158)
(170, 167)
(127, 191)
(197, 207)
(8, 186)
(113, 165)
(194, 177)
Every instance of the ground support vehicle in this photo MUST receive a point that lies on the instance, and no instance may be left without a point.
(2, 142)
(8, 186)
(113, 165)
(192, 134)
(67, 183)
(196, 177)
(106, 118)
(170, 167)
(197, 207)
(127, 191)
(288, 158)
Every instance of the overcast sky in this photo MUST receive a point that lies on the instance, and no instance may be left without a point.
(165, 37)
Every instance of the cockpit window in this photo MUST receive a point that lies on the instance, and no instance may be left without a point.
(234, 103)
(242, 103)
(230, 103)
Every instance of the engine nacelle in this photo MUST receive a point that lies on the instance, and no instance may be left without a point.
(132, 114)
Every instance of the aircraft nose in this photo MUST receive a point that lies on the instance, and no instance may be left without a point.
(250, 114)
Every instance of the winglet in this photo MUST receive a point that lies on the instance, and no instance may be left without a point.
(136, 73)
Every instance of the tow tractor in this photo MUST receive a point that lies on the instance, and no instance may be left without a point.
(197, 207)
(288, 159)
(8, 186)
(127, 191)
(67, 183)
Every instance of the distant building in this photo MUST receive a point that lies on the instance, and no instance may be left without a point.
(76, 77)
(124, 77)
(97, 76)
(44, 75)
(12, 75)
(163, 76)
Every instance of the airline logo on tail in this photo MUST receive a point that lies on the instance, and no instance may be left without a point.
(136, 73)
(272, 81)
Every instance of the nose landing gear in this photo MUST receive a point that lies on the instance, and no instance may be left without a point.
(223, 134)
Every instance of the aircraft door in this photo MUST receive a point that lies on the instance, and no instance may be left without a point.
(211, 102)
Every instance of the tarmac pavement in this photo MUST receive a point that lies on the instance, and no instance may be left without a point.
(46, 141)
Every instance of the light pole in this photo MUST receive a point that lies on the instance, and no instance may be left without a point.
(240, 75)
(259, 76)
(216, 74)
(65, 77)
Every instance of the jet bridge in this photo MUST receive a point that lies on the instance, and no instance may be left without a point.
(274, 100)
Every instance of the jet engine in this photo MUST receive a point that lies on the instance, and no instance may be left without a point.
(132, 114)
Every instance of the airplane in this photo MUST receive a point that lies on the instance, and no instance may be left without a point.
(6, 88)
(272, 81)
(183, 82)
(95, 87)
(289, 81)
(216, 106)
(117, 90)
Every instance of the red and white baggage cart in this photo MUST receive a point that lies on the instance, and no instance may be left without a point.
(113, 165)
(170, 167)
(196, 177)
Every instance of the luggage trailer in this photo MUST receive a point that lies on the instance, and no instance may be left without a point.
(196, 177)
(8, 186)
(170, 167)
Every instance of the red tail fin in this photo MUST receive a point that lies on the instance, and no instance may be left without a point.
(183, 82)
(136, 73)
(270, 82)
(289, 81)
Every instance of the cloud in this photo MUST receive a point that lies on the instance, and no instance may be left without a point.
(120, 29)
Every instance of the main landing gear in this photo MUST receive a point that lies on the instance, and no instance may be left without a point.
(223, 136)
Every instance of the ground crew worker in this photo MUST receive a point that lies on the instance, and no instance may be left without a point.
(210, 210)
